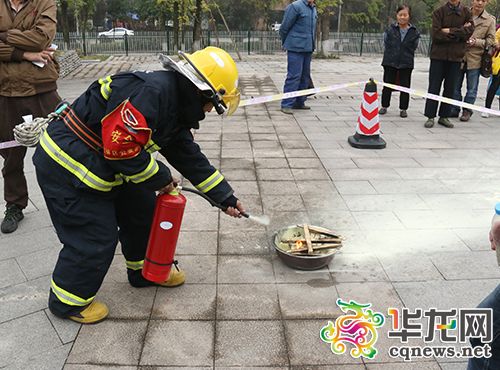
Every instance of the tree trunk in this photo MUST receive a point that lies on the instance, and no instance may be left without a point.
(65, 22)
(197, 27)
(176, 25)
(325, 33)
(162, 20)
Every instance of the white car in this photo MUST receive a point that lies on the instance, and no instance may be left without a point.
(275, 27)
(116, 33)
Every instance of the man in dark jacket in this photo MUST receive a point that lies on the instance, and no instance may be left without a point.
(298, 32)
(27, 29)
(98, 175)
(451, 28)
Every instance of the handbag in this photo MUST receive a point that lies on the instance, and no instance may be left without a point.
(486, 63)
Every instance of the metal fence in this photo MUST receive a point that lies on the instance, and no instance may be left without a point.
(249, 42)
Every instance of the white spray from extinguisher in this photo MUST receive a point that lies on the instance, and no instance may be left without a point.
(262, 219)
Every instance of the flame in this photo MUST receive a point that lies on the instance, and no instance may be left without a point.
(298, 244)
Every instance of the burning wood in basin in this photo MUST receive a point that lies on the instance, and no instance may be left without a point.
(308, 240)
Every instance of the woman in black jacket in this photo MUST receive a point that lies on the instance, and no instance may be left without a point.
(400, 42)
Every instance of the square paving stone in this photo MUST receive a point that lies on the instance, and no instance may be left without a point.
(25, 298)
(337, 221)
(354, 187)
(468, 265)
(199, 269)
(279, 220)
(270, 163)
(26, 337)
(49, 360)
(197, 242)
(245, 188)
(11, 273)
(67, 330)
(445, 294)
(411, 242)
(179, 343)
(475, 238)
(280, 174)
(186, 302)
(250, 343)
(117, 272)
(244, 242)
(198, 221)
(400, 267)
(314, 300)
(282, 203)
(270, 188)
(111, 342)
(247, 302)
(381, 295)
(37, 264)
(378, 220)
(245, 269)
(347, 267)
(310, 173)
(236, 163)
(127, 302)
(306, 348)
(240, 174)
(15, 244)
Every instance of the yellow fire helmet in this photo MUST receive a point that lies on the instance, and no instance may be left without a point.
(211, 70)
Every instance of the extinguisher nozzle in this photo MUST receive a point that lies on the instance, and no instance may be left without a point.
(262, 219)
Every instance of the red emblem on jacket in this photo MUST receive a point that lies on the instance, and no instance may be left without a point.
(124, 132)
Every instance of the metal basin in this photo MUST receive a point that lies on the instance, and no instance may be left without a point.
(301, 262)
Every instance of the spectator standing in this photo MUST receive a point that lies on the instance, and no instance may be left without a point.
(27, 28)
(451, 27)
(482, 38)
(297, 32)
(400, 43)
(495, 78)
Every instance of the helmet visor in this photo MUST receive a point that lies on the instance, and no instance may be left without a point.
(232, 102)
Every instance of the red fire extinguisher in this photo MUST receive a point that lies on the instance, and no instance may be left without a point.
(163, 236)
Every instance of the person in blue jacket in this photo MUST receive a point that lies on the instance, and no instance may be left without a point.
(400, 42)
(297, 33)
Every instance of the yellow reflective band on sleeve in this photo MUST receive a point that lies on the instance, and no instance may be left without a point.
(142, 176)
(105, 87)
(210, 183)
(66, 297)
(151, 147)
(134, 265)
(75, 167)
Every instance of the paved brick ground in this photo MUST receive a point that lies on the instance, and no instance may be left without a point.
(415, 216)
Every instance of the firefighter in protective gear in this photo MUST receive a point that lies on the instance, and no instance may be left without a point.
(98, 174)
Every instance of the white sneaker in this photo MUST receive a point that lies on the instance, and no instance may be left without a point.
(485, 115)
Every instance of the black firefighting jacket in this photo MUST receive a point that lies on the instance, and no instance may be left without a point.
(126, 118)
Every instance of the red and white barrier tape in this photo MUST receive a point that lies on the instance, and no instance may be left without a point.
(330, 88)
(439, 98)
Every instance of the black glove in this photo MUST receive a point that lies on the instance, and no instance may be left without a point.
(230, 202)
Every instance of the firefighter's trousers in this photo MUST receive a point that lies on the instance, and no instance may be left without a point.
(89, 226)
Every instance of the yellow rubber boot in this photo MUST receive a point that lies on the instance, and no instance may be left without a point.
(92, 314)
(176, 278)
